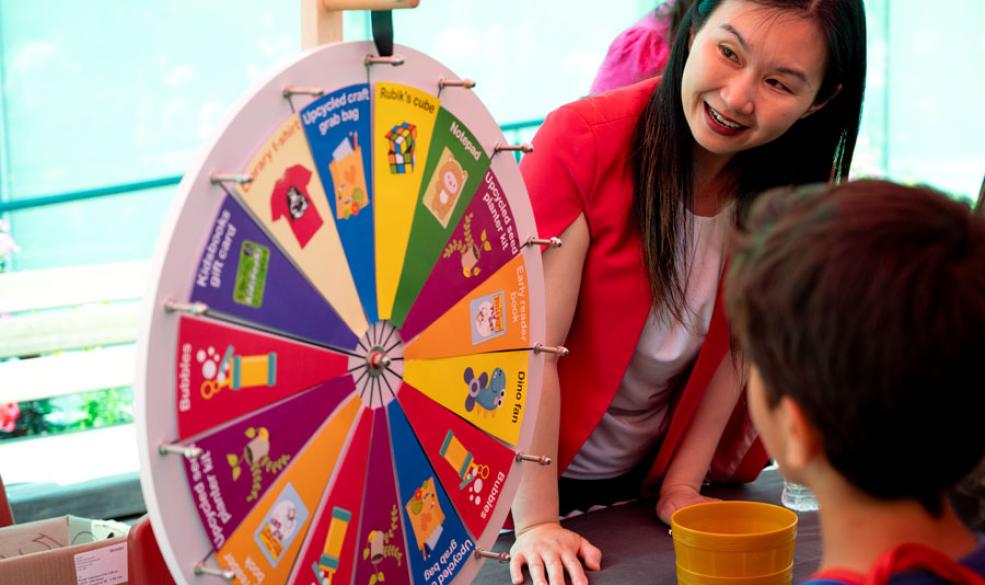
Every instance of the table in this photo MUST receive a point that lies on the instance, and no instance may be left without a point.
(637, 547)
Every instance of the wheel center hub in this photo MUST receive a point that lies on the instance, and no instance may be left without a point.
(377, 366)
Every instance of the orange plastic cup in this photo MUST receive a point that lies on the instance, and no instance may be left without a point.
(685, 577)
(734, 543)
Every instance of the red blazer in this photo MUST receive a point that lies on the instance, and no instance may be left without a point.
(580, 164)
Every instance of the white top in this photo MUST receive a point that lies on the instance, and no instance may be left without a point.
(637, 418)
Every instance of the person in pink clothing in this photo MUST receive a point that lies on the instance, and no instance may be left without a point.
(641, 51)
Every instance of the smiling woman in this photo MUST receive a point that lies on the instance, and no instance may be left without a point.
(642, 184)
(753, 71)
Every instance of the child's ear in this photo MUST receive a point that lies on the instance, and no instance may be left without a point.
(802, 442)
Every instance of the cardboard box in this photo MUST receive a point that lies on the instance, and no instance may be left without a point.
(64, 551)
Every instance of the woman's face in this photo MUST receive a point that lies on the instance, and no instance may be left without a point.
(752, 72)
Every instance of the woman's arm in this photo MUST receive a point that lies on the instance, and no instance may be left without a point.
(541, 543)
(689, 465)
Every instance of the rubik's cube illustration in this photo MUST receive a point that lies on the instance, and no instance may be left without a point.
(402, 139)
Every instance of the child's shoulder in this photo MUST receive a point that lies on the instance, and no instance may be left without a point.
(974, 561)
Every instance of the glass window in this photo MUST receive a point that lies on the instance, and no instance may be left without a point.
(98, 98)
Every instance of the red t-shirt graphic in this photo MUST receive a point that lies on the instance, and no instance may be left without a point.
(290, 199)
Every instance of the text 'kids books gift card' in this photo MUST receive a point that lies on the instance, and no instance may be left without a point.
(243, 274)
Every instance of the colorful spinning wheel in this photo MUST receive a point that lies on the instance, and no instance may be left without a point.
(338, 373)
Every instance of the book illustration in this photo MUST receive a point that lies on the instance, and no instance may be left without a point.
(280, 527)
(486, 317)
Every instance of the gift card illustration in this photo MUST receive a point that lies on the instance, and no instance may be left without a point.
(269, 537)
(328, 554)
(495, 316)
(403, 124)
(471, 465)
(381, 554)
(233, 271)
(455, 167)
(240, 461)
(287, 197)
(224, 371)
(483, 241)
(251, 274)
(488, 390)
(339, 131)
(440, 546)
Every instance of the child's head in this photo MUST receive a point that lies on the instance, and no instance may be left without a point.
(861, 308)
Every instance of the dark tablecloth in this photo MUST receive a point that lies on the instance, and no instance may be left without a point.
(637, 547)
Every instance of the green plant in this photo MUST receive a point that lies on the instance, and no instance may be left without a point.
(86, 410)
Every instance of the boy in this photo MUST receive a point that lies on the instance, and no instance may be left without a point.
(861, 309)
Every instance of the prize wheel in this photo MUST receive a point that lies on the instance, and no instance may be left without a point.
(338, 375)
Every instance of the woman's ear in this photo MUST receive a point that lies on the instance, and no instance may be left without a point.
(818, 105)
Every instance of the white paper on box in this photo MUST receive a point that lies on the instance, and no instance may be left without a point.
(103, 566)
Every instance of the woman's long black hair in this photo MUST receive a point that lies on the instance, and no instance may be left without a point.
(817, 148)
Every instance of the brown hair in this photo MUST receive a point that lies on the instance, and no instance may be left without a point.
(865, 304)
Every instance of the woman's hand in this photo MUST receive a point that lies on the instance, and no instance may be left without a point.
(675, 497)
(557, 550)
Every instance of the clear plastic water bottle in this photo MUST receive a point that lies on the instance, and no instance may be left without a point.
(798, 497)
